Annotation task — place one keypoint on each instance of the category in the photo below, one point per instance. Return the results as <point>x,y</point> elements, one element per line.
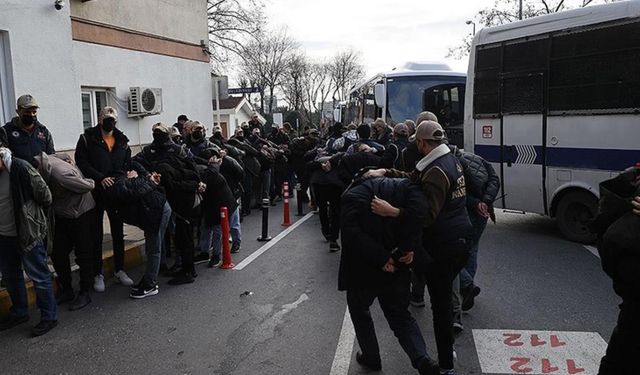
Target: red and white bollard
<point>285,193</point>
<point>227,262</point>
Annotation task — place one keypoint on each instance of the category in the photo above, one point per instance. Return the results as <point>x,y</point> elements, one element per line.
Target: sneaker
<point>416,301</point>
<point>428,367</point>
<point>43,327</point>
<point>201,258</point>
<point>122,278</point>
<point>215,261</point>
<point>12,321</point>
<point>81,300</point>
<point>67,295</point>
<point>369,365</point>
<point>333,247</point>
<point>468,297</point>
<point>173,271</point>
<point>98,283</point>
<point>235,248</point>
<point>144,289</point>
<point>182,278</point>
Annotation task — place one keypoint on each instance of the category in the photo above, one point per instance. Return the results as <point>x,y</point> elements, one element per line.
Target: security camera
<point>59,4</point>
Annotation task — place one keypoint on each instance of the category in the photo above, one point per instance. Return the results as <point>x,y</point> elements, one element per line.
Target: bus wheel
<point>575,211</point>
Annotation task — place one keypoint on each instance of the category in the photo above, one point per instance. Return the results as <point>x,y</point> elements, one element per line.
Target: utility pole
<point>520,12</point>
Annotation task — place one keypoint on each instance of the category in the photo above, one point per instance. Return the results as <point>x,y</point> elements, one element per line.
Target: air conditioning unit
<point>144,101</point>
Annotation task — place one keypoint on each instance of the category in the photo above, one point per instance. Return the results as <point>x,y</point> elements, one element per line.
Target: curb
<point>133,257</point>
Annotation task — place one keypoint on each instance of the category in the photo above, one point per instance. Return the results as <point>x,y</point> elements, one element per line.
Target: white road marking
<point>342,359</point>
<point>593,250</point>
<point>503,351</point>
<point>246,261</point>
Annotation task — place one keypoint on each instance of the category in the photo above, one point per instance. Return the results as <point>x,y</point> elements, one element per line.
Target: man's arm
<point>50,148</point>
<point>39,188</point>
<point>435,186</point>
<point>82,160</point>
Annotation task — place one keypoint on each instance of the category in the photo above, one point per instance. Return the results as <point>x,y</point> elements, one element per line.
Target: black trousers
<point>184,242</point>
<point>117,236</point>
<point>327,198</point>
<point>394,301</point>
<point>76,235</point>
<point>624,348</point>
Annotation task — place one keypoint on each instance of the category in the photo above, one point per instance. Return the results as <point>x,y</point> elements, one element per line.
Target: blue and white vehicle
<point>404,92</point>
<point>554,103</point>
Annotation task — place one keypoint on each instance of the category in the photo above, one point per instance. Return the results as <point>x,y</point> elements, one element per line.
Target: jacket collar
<point>432,156</point>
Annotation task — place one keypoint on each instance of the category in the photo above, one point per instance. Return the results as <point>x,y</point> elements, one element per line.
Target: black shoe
<point>235,248</point>
<point>369,365</point>
<point>468,297</point>
<point>43,327</point>
<point>416,301</point>
<point>183,278</point>
<point>333,247</point>
<point>428,367</point>
<point>145,289</point>
<point>173,271</point>
<point>81,300</point>
<point>215,261</point>
<point>326,235</point>
<point>12,321</point>
<point>201,258</point>
<point>67,295</point>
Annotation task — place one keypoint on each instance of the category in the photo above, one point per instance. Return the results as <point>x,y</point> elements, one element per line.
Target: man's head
<point>287,127</point>
<point>217,131</point>
<point>5,159</point>
<point>364,131</point>
<point>400,131</point>
<point>254,117</point>
<point>108,119</point>
<point>239,132</point>
<point>379,126</point>
<point>429,135</point>
<point>27,110</point>
<point>175,135</point>
<point>197,131</point>
<point>186,129</point>
<point>182,119</point>
<point>426,116</point>
<point>411,126</point>
<point>161,133</point>
<point>314,133</point>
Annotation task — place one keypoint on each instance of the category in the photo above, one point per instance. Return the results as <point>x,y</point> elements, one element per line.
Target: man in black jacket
<point>251,166</point>
<point>102,153</point>
<point>374,264</point>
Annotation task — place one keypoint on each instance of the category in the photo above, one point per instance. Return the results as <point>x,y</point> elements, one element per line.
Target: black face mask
<point>217,135</point>
<point>160,137</point>
<point>197,135</point>
<point>108,124</point>
<point>28,120</point>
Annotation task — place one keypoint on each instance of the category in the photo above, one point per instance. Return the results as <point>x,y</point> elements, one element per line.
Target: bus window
<point>447,103</point>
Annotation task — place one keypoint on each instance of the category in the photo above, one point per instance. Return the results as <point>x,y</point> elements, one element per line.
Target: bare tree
<point>319,85</point>
<point>293,85</point>
<point>345,70</point>
<point>506,11</point>
<point>231,24</point>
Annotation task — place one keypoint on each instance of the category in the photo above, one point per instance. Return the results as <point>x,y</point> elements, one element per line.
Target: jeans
<point>327,198</point>
<point>153,245</point>
<point>76,235</point>
<point>35,265</point>
<point>211,235</point>
<point>468,273</point>
<point>265,177</point>
<point>117,235</point>
<point>394,301</point>
<point>623,345</point>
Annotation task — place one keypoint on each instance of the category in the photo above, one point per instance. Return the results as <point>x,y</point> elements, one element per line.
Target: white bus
<point>554,103</point>
<point>404,92</point>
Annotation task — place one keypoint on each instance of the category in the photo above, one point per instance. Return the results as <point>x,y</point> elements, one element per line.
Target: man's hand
<point>636,205</point>
<point>381,207</point>
<point>107,182</point>
<point>375,173</point>
<point>155,178</point>
<point>483,210</point>
<point>326,166</point>
<point>222,153</point>
<point>132,174</point>
<point>407,258</point>
<point>202,187</point>
<point>215,161</point>
<point>389,267</point>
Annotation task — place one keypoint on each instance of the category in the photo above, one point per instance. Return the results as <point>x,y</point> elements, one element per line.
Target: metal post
<point>265,221</point>
<point>520,12</point>
<point>299,199</point>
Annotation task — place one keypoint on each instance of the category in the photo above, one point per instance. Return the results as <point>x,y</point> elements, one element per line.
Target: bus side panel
<point>487,135</point>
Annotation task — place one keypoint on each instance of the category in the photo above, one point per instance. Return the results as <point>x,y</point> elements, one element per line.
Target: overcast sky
<point>388,33</point>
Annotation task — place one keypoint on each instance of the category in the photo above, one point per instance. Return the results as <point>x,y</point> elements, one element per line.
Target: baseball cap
<point>430,130</point>
<point>161,127</point>
<point>109,112</point>
<point>401,129</point>
<point>27,101</point>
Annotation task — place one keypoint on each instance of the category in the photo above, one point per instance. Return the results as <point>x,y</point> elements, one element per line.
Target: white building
<point>233,112</point>
<point>88,54</point>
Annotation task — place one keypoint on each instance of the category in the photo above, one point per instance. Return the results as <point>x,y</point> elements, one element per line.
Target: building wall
<point>40,63</point>
<point>183,20</point>
<point>185,84</point>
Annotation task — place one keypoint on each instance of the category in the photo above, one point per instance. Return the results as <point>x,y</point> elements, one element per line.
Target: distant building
<point>88,54</point>
<point>233,112</point>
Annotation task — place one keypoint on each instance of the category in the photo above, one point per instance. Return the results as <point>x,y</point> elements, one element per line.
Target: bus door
<point>522,143</point>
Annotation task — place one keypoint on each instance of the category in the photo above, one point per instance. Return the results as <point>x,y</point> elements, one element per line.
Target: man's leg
<point>184,239</point>
<point>322,202</point>
<point>153,243</point>
<point>417,288</point>
<point>63,239</point>
<point>236,230</point>
<point>334,212</point>
<point>359,301</point>
<point>13,276</point>
<point>35,266</point>
<point>117,234</point>
<point>98,237</point>
<point>456,301</point>
<point>623,344</point>
<point>83,246</point>
<point>468,273</point>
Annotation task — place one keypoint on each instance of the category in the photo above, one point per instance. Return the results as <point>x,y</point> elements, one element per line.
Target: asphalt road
<point>283,314</point>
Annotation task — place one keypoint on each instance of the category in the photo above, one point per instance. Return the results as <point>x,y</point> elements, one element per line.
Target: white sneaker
<point>98,283</point>
<point>122,278</point>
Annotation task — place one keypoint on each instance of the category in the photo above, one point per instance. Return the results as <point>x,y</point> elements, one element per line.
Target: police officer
<point>25,136</point>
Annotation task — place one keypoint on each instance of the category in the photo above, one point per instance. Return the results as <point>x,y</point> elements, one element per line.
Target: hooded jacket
<point>70,190</point>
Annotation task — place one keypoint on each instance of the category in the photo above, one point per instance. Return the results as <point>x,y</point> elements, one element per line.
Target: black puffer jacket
<point>218,195</point>
<point>482,181</point>
<point>138,201</point>
<point>368,239</point>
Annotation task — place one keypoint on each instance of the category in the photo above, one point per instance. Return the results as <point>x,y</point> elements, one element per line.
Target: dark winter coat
<point>25,145</point>
<point>218,195</point>
<point>410,156</point>
<point>137,201</point>
<point>482,181</point>
<point>392,157</point>
<point>368,239</point>
<point>250,161</point>
<point>350,165</point>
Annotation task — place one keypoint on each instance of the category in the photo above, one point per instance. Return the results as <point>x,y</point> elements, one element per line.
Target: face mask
<point>108,124</point>
<point>217,135</point>
<point>197,135</point>
<point>160,137</point>
<point>177,140</point>
<point>28,120</point>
